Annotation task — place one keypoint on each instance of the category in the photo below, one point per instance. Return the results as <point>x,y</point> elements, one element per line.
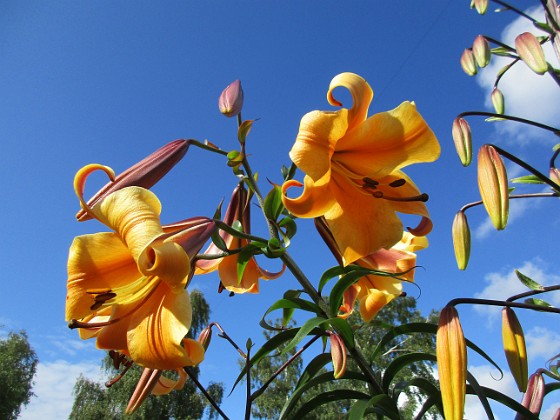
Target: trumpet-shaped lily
<point>352,170</point>
<point>238,210</point>
<point>126,288</point>
<point>375,291</point>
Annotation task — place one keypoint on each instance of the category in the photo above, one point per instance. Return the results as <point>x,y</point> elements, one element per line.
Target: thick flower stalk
<point>515,349</point>
<point>451,351</point>
<point>375,291</point>
<point>127,287</point>
<point>352,170</point>
<point>238,210</point>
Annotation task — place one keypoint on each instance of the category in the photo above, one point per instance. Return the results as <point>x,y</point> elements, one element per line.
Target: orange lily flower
<point>238,209</point>
<point>374,291</point>
<point>352,170</point>
<point>127,288</point>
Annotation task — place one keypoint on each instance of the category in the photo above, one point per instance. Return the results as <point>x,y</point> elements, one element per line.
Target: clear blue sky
<point>109,82</point>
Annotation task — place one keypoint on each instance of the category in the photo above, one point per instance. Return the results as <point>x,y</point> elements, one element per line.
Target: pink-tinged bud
<point>498,101</point>
<point>462,137</point>
<point>231,99</point>
<point>481,51</point>
<point>530,51</point>
<point>533,398</point>
<point>514,347</point>
<point>338,354</point>
<point>205,337</point>
<point>468,62</point>
<point>555,175</point>
<point>480,5</point>
<point>451,352</point>
<point>143,174</point>
<point>493,185</point>
<point>461,240</point>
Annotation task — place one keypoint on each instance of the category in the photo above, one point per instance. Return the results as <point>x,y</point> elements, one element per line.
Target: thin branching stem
<point>192,375</point>
<point>249,400</point>
<point>514,9</point>
<point>491,302</point>
<point>511,118</point>
<point>511,197</point>
<point>545,289</point>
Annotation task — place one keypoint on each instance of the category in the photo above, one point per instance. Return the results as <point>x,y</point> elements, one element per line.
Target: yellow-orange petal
<point>373,302</point>
<point>156,330</point>
<point>97,262</point>
<point>133,213</point>
<point>319,131</point>
<point>165,385</point>
<point>360,223</point>
<point>387,141</point>
<point>314,201</point>
<point>228,276</point>
<point>167,261</point>
<point>361,92</point>
<point>514,348</point>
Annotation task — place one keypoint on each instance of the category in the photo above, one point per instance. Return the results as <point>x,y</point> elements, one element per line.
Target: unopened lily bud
<point>231,99</point>
<point>530,51</point>
<point>143,174</point>
<point>481,51</point>
<point>338,354</point>
<point>461,240</point>
<point>514,347</point>
<point>480,5</point>
<point>533,398</point>
<point>462,137</point>
<point>468,62</point>
<point>555,175</point>
<point>205,337</point>
<point>451,354</point>
<point>493,185</point>
<point>498,101</point>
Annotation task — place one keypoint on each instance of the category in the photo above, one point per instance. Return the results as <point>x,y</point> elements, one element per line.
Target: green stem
<point>519,12</point>
<point>536,195</point>
<point>213,149</point>
<point>316,297</point>
<point>192,375</point>
<point>492,302</point>
<point>533,293</point>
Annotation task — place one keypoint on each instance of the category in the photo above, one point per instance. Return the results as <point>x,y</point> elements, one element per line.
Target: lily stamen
<point>379,194</point>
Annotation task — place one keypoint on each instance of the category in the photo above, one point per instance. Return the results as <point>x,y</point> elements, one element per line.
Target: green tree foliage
<point>18,363</point>
<point>400,311</point>
<point>93,401</point>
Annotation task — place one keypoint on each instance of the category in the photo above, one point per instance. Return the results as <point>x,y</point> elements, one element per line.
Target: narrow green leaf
<point>337,292</point>
<point>328,275</point>
<point>327,397</point>
<point>343,328</point>
<point>287,313</point>
<point>402,361</point>
<point>538,302</point>
<point>291,303</point>
<point>305,329</point>
<point>312,368</point>
<point>528,282</point>
<point>528,179</point>
<point>243,130</point>
<point>479,391</point>
<point>218,241</point>
<point>380,404</point>
<point>325,377</point>
<point>243,259</point>
<point>288,227</point>
<point>273,205</point>
<point>505,400</point>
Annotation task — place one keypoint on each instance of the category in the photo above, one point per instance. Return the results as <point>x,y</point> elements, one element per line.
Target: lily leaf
<point>505,400</point>
<point>327,397</point>
<point>305,329</point>
<point>288,227</point>
<point>273,206</point>
<point>479,391</point>
<point>243,130</point>
<point>538,302</point>
<point>287,313</point>
<point>528,179</point>
<point>313,368</point>
<point>381,404</point>
<point>290,303</point>
<point>243,259</point>
<point>401,362</point>
<point>528,282</point>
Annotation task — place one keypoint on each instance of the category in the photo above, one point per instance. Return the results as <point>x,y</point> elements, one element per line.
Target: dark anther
<point>398,183</point>
<point>370,182</point>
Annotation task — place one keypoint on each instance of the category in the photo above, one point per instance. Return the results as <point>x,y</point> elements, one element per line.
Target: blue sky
<point>109,82</point>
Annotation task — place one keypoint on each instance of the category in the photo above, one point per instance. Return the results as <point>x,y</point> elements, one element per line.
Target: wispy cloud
<point>527,94</point>
<point>54,382</point>
<point>517,208</point>
<point>501,285</point>
<point>542,342</point>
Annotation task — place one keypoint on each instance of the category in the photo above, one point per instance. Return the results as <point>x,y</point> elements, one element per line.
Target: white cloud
<point>517,209</point>
<point>527,94</point>
<point>503,285</point>
<point>542,342</point>
<point>548,414</point>
<point>54,382</point>
<point>486,376</point>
